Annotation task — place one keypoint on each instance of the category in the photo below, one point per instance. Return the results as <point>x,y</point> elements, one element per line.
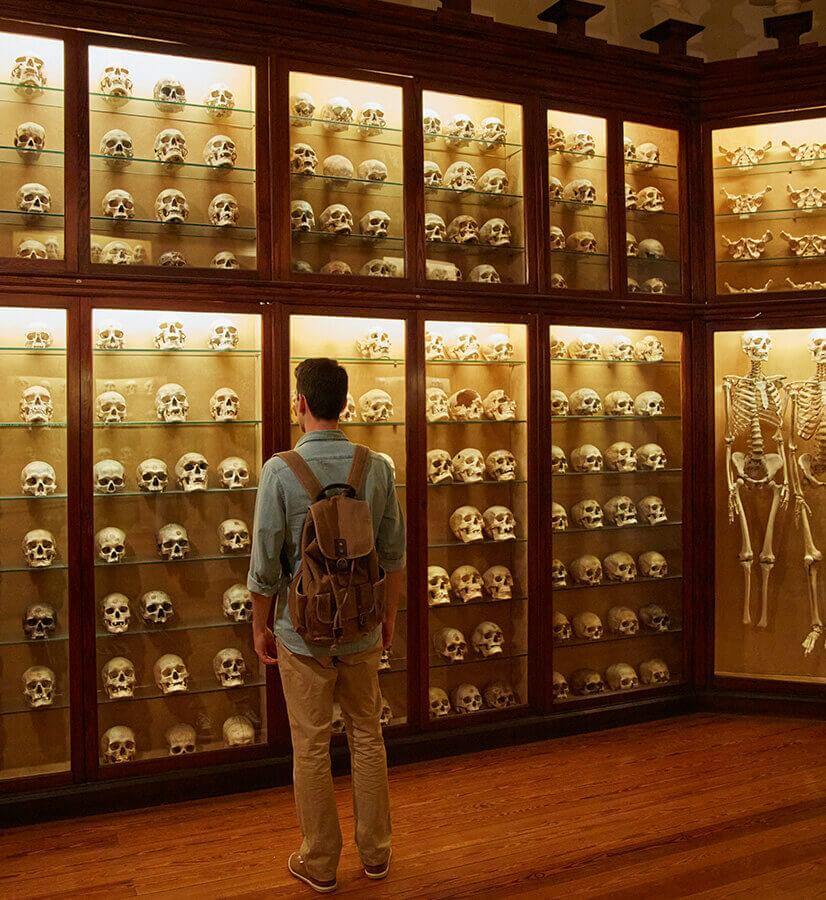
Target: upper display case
<point>171,161</point>
<point>579,240</point>
<point>177,452</point>
<point>373,351</point>
<point>34,535</point>
<point>473,182</point>
<point>31,148</point>
<point>770,212</point>
<point>652,209</point>
<point>616,516</point>
<point>477,516</point>
<point>346,177</point>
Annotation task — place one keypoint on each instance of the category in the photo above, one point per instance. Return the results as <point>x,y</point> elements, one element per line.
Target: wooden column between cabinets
<point>672,36</point>
<point>788,30</point>
<point>571,18</point>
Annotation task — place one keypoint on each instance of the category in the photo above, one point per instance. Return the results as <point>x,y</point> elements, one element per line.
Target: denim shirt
<point>281,508</point>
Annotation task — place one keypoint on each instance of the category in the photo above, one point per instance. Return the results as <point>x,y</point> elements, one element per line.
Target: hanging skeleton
<point>808,471</point>
<point>752,401</point>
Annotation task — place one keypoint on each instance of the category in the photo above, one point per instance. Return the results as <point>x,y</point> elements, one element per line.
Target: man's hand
<point>265,646</point>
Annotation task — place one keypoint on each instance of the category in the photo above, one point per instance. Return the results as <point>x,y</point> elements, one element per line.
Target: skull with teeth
<point>559,462</point>
<point>467,699</point>
<point>460,176</point>
<point>118,205</point>
<point>233,536</point>
<point>649,403</point>
<point>620,511</point>
<point>654,671</point>
<point>466,583</point>
<point>556,138</point>
<point>118,676</point>
<point>500,523</point>
<point>434,227</point>
<point>649,349</point>
<point>39,621</point>
<point>223,210</point>
<point>372,118</point>
<point>438,586</point>
<point>463,229</point>
<point>632,247</point>
<point>587,682</point>
<point>492,132</point>
<point>182,739</point>
<point>559,347</point>
<point>372,170</point>
<point>450,643</point>
<point>169,94</point>
<point>233,473</point>
<point>110,476</point>
<point>466,346</point>
<point>238,731</point>
<point>655,618</point>
<point>169,335</point>
<point>485,274</point>
<point>337,219</point>
<point>561,688</point>
<point>229,667</point>
<point>33,198</point>
<point>619,403</point>
<point>171,674</point>
<point>500,695</point>
<point>587,570</point>
<point>581,242</point>
<point>173,542</point>
<point>653,564</point>
<point>302,217</point>
<point>493,181</point>
<point>621,677</point>
<point>498,582</point>
<point>375,223</point>
<point>559,574</point>
<point>29,139</point>
<point>439,703</point>
<point>468,465</point>
<point>220,152</point>
<point>439,467</point>
<point>647,156</point>
<point>39,686</point>
<point>224,405</point>
<point>30,249</point>
<point>110,407</point>
<point>651,199</point>
<point>223,335</point>
<point>588,626</point>
<point>581,143</point>
<point>652,510</point>
<point>337,114</point>
<point>303,159</point>
<point>433,177</point>
<point>236,603</point>
<point>587,514</point>
<point>465,405</point>
<point>118,148</point>
<point>654,285</point>
<point>170,146</point>
<point>378,268</point>
<point>554,190</point>
<point>459,131</point>
<point>171,207</point>
<point>560,405</point>
<point>38,479</point>
<point>619,566</point>
<point>118,745</point>
<point>498,348</point>
<point>436,404</point>
<point>562,629</point>
<point>302,107</point>
<point>171,403</point>
<point>116,613</point>
<point>152,475</point>
<point>556,241</point>
<point>488,639</point>
<point>111,544</point>
<point>28,75</point>
<point>620,457</point>
<point>501,465</point>
<point>499,406</point>
<point>629,150</point>
<point>585,346</point>
<point>586,458</point>
<point>431,124</point>
<point>172,259</point>
<point>619,349</point>
<point>559,517</point>
<point>434,344</point>
<point>651,457</point>
<point>630,197</point>
<point>495,233</point>
<point>622,620</point>
<point>156,608</point>
<point>585,402</point>
<point>376,406</point>
<point>374,344</point>
<point>219,101</point>
<point>580,190</point>
<point>466,524</point>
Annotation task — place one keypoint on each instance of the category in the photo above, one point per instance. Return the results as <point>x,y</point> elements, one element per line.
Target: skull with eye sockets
<point>500,695</point>
<point>439,467</point>
<point>169,94</point>
<point>493,181</point>
<point>654,671</point>
<point>302,217</point>
<point>467,699</point>
<point>559,517</point>
<point>171,674</point>
<point>623,620</point>
<point>499,407</point>
<point>463,229</point>
<point>499,523</point>
<point>581,242</point>
<point>554,189</point>
<point>223,210</point>
<point>619,566</point>
<point>337,219</point>
<point>651,457</point>
<point>561,689</point>
<point>558,282</point>
<point>468,465</point>
<point>619,403</point>
<point>229,667</point>
<point>236,603</point>
<point>436,405</point>
<point>39,621</point>
<point>559,574</point>
<point>111,544</point>
<point>372,170</point>
<point>559,461</point>
<point>620,349</point>
<point>433,177</point>
<point>588,626</point>
<point>439,703</point>
<point>110,407</point>
<point>29,140</point>
<point>460,176</point>
<point>171,207</point>
<point>220,152</point>
<point>303,159</point>
<point>621,512</point>
<point>559,347</point>
<point>39,686</point>
<point>450,643</point>
<point>118,745</point>
<point>31,249</point>
<point>376,406</point>
<point>375,223</point>
<point>649,349</point>
<point>169,335</point>
<point>653,564</point>
<point>498,582</point>
<point>173,542</point>
<point>224,405</point>
<point>466,523</point>
<point>171,403</point>
<point>116,613</point>
<point>562,629</point>
<point>172,259</point>
<point>38,479</point>
<point>560,405</point>
<point>219,101</point>
<point>117,147</point>
<point>34,199</point>
<point>495,233</point>
<point>233,536</point>
<point>152,475</point>
<point>109,476</point>
<point>587,682</point>
<point>655,618</point>
<point>156,608</point>
<point>587,458</point>
<point>501,465</point>
<point>170,147</point>
<point>438,586</point>
<point>378,268</point>
<point>233,473</point>
<point>118,676</point>
<point>585,402</point>
<point>620,457</point>
<point>225,259</point>
<point>182,739</point>
<point>302,108</point>
<point>434,228</point>
<point>649,403</point>
<point>587,514</point>
<point>556,238</point>
<point>652,510</point>
<point>621,677</point>
<point>337,114</point>
<point>587,570</point>
<point>465,406</point>
<point>466,583</point>
<point>488,639</point>
<point>585,346</point>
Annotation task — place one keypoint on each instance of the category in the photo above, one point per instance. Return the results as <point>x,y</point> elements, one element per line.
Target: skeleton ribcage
<point>754,401</point>
<point>811,408</point>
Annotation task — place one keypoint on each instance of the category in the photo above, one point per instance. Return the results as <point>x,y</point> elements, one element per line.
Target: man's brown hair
<point>323,383</point>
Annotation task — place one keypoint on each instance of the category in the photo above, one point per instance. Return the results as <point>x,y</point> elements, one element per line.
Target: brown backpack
<point>337,594</point>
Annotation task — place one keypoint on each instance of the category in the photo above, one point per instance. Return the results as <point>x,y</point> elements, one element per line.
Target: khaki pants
<point>310,687</point>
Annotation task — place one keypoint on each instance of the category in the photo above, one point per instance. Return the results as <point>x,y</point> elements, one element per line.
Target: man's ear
<point>302,405</point>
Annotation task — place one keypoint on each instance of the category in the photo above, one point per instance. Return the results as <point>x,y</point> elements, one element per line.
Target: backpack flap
<point>343,528</point>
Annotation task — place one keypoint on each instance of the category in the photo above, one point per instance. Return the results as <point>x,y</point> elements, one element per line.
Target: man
<point>312,676</point>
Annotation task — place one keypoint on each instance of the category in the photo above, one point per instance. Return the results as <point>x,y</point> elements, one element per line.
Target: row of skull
<point>487,640</point>
<point>171,207</point>
<point>172,541</point>
<point>156,608</point>
<point>468,585</point>
<point>169,147</point>
<point>337,114</point>
<point>587,402</point>
<point>115,86</point>
<point>337,219</point>
<point>622,622</point>
<point>466,347</point>
<point>575,242</point>
<point>802,198</point>
<point>619,512</point>
<point>745,156</point>
<point>118,744</point>
<point>755,247</point>
<point>460,129</point>
<point>152,474</point>
<point>470,466</point>
<point>579,191</point>
<point>469,525</point>
<point>647,248</point>
<point>460,176</point>
<point>442,270</point>
<point>171,405</point>
<point>577,143</point>
<point>171,673</point>
<point>304,161</point>
<point>467,405</point>
<point>588,571</point>
<point>464,229</point>
<point>618,677</point>
<point>467,698</point>
<point>588,458</point>
<point>170,334</point>
<point>647,199</point>
<point>373,268</point>
<point>120,253</point>
<point>618,348</point>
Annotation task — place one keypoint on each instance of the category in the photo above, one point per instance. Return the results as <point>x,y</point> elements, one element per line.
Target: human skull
<point>559,574</point>
<point>116,85</point>
<point>434,227</point>
<point>559,462</point>
<point>587,682</point>
<point>560,405</point>
<point>111,544</point>
<point>556,138</point>
<point>633,286</point>
<point>229,667</point>
<point>459,131</point>
<point>655,618</point>
<point>223,210</point>
<point>337,219</point>
<point>632,247</point>
<point>372,118</point>
<point>386,715</point>
<point>654,286</point>
<point>372,170</point>
<point>302,217</point>
<point>653,564</point>
<point>223,335</point>
<point>118,148</point>
<point>622,620</point>
<point>559,517</point>
<point>466,524</point>
<point>303,159</point>
<point>118,205</point>
<point>654,671</point>
<point>29,139</point>
<point>554,192</point>
<point>651,199</point>
<point>302,107</point>
<point>581,191</point>
<point>493,181</point>
<point>36,405</point>
<point>463,230</point>
<point>432,175</point>
<point>499,407</point>
<point>169,94</point>
<point>745,157</point>
<point>587,514</point>
<point>621,677</point>
<point>30,249</point>
<point>651,457</point>
<point>172,542</point>
<point>649,403</point>
<point>586,570</point>
<point>556,240</point>
<point>488,639</point>
<point>619,566</point>
<point>338,166</point>
<point>620,511</point>
<point>219,101</point>
<point>581,143</point>
<point>28,75</point>
<point>171,403</point>
<point>649,349</point>
<point>431,124</point>
<point>233,536</point>
<point>171,207</point>
<point>434,345</point>
<point>110,476</point>
<point>498,582</point>
<point>117,253</point>
<point>237,603</point>
<point>233,473</point>
<point>182,739</point>
<point>559,347</point>
<point>224,405</point>
<point>562,629</point>
<point>468,466</point>
<point>38,479</point>
<point>586,458</point>
<point>491,132</point>
<point>620,457</point>
<point>34,199</point>
<point>118,745</point>
<point>500,523</point>
<point>630,197</point>
<point>375,223</point>
<point>561,688</point>
<point>220,152</point>
<point>465,405</point>
<point>436,405</point>
<point>585,402</point>
<point>376,406</point>
<point>171,674</point>
<point>585,346</point>
<point>39,686</point>
<point>467,699</point>
<point>501,465</point>
<point>39,621</point>
<point>620,349</point>
<point>588,625</point>
<point>191,471</point>
<point>152,475</point>
<point>439,703</point>
<point>650,248</point>
<point>451,644</point>
<point>118,677</point>
<point>629,150</point>
<point>225,259</point>
<point>110,407</point>
<point>460,176</point>
<point>116,613</point>
<point>170,146</point>
<point>466,346</point>
<point>378,268</point>
<point>337,114</point>
<point>438,586</point>
<point>156,608</point>
<point>652,509</point>
<point>238,731</point>
<point>172,259</point>
<point>647,156</point>
<point>619,403</point>
<point>439,467</point>
<point>466,583</point>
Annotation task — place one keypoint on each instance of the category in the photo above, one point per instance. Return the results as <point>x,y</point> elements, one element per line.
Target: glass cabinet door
<point>578,197</point>
<point>616,458</point>
<point>652,208</point>
<point>34,597</point>
<point>373,353</point>
<point>473,175</point>
<point>177,452</point>
<point>346,177</point>
<point>31,148</point>
<point>172,161</point>
<point>477,508</point>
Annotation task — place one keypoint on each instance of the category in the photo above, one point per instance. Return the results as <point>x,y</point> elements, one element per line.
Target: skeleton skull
<point>580,143</point>
<point>172,259</point>
<point>652,509</point>
<point>562,629</point>
<point>632,286</point>
<point>171,674</point>
<point>110,407</point>
<point>459,131</point>
<point>493,181</point>
<point>466,346</point>
<point>559,347</point>
<point>585,346</point>
<point>372,118</point>
<point>587,514</point>
<point>495,233</point>
<point>337,219</point>
<point>156,608</point>
<point>171,403</point>
<point>647,156</point>
<point>619,566</point>
<point>335,267</point>
<point>152,475</point>
<point>338,166</point>
<point>169,94</point>
<point>118,205</point>
<point>622,620</point>
<point>559,574</point>
<point>467,699</point>
<point>225,259</point>
<point>118,745</point>
<point>554,191</point>
<point>629,151</point>
<point>501,465</point>
<point>219,101</point>
<point>118,677</point>
<point>117,253</point>
<point>654,671</point>
<point>171,207</point>
<point>431,125</point>
<point>170,147</point>
<point>224,405</point>
<point>233,473</point>
<point>172,542</point>
<point>500,524</point>
<point>337,114</point>
<point>39,686</point>
<point>438,586</point>
<point>460,176</point>
<point>655,618</point>
<point>585,402</point>
<point>488,639</point>
<point>498,582</point>
<point>111,544</point>
<point>434,228</point>
<point>31,249</point>
<point>110,476</point>
<point>588,626</point>
<point>220,152</point>
<point>492,132</point>
<point>375,223</point>
<point>463,230</point>
<point>586,458</point>
<point>559,462</point>
<point>34,199</point>
<point>376,406</point>
<point>649,349</point>
<point>556,138</point>
<point>238,731</point>
<point>303,159</point>
<point>468,465</point>
<point>439,467</point>
<point>653,564</point>
<point>651,457</point>
<point>756,345</point>
<point>237,603</point>
<point>451,644</point>
<point>586,570</point>
<point>433,175</point>
<point>372,170</point>
<point>630,197</point>
<point>587,682</point>
<point>39,621</point>
<point>302,107</point>
<point>466,524</point>
<point>500,695</point>
<point>233,536</point>
<point>302,217</point>
<point>560,405</point>
<point>38,479</point>
<point>116,613</point>
<point>620,511</point>
<point>581,242</point>
<point>466,583</point>
<point>650,248</point>
<point>619,403</point>
<point>580,191</point>
<point>621,677</point>
<point>559,517</point>
<point>436,405</point>
<point>191,471</point>
<point>649,403</point>
<point>620,349</point>
<point>229,667</point>
<point>378,268</point>
<point>465,405</point>
<point>29,140</point>
<point>561,688</point>
<point>223,210</point>
<point>499,407</point>
<point>118,148</point>
<point>182,739</point>
<point>28,75</point>
<point>434,344</point>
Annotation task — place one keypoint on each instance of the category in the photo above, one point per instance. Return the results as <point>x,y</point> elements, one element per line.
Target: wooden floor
<point>708,805</point>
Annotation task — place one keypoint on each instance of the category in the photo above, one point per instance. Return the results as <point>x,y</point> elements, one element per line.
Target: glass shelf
<point>613,584</point>
<point>183,112</point>
<point>154,495</point>
<point>669,524</point>
<point>431,139</point>
<point>24,642</point>
<point>151,692</point>
<point>645,263</point>
<point>478,422</point>
<point>54,567</point>
<point>195,423</point>
<point>655,167</point>
<point>48,158</point>
<point>645,472</point>
<point>156,561</point>
<point>11,498</point>
<point>575,156</point>
<point>485,543</point>
<point>394,361</point>
<point>596,210</point>
<point>613,362</point>
<point>359,186</point>
<point>446,484</point>
<point>122,227</point>
<point>616,418</point>
<point>642,215</point>
<point>485,601</point>
<point>143,631</point>
<point>590,259</point>
<point>479,660</point>
<point>446,247</point>
<point>573,699</point>
<point>787,166</point>
<point>312,127</point>
<point>28,221</point>
<point>614,638</point>
<point>155,168</point>
<point>475,362</point>
<point>347,240</point>
<point>35,350</point>
<point>46,96</point>
<point>32,425</point>
<point>793,214</point>
<point>471,198</point>
<point>154,351</point>
<point>25,708</point>
<point>776,260</point>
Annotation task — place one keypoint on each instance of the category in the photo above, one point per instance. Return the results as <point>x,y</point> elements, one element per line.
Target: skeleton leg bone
<point>746,555</point>
<point>812,556</point>
<point>767,557</point>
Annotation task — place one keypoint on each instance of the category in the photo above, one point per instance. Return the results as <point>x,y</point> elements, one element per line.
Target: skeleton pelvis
<point>813,469</point>
<point>757,471</point>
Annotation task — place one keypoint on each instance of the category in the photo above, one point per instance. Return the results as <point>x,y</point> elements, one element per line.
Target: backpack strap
<point>299,467</point>
<point>358,471</point>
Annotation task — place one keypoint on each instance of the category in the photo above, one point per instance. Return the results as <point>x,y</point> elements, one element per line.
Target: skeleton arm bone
<point>781,446</point>
<point>729,444</point>
<point>794,468</point>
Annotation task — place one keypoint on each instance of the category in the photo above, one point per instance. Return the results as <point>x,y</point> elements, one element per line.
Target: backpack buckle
<point>342,566</point>
<point>340,545</point>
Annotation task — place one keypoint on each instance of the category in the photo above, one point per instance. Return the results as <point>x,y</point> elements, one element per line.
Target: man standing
<point>315,676</point>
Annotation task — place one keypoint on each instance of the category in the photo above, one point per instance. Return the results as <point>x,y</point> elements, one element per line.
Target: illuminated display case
<point>177,451</point>
<point>31,149</point>
<point>172,166</point>
<point>477,517</point>
<point>616,517</point>
<point>346,174</point>
<point>652,209</point>
<point>373,350</point>
<point>34,559</point>
<point>770,218</point>
<point>579,239</point>
<point>473,181</point>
